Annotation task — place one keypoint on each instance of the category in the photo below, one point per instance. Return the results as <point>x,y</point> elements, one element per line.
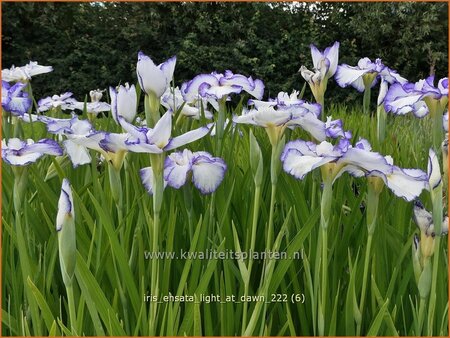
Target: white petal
<point>366,160</point>
<point>406,183</point>
<point>160,135</point>
<point>207,172</point>
<point>78,154</point>
<point>147,179</point>
<point>299,165</point>
<point>151,78</point>
<point>188,137</point>
<point>346,75</point>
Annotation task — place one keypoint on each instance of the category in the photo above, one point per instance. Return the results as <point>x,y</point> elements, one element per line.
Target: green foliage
<point>95,45</point>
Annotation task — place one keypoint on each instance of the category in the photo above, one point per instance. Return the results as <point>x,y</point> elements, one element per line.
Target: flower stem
<point>381,124</point>
<point>364,284</point>
<point>252,248</point>
<point>374,188</point>
<point>421,316</point>
<point>220,125</point>
<point>436,197</point>
<point>157,162</point>
<point>324,222</point>
<point>72,312</point>
<point>366,100</point>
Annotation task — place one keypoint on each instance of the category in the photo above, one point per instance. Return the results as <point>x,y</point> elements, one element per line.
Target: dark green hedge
<point>95,45</point>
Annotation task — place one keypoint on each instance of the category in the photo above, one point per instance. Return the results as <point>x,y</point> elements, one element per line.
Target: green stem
<point>421,317</point>
<point>157,161</point>
<point>220,125</point>
<point>381,124</point>
<point>271,215</point>
<point>438,132</point>
<point>364,284</point>
<point>324,222</point>
<point>366,100</point>
<point>252,248</point>
<point>26,273</point>
<point>436,197</point>
<point>72,312</point>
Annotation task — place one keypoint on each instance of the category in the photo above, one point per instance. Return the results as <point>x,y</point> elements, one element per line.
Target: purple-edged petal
<point>258,91</point>
<point>44,146</point>
<point>168,68</point>
<point>407,183</point>
<point>347,75</point>
<point>188,137</point>
<point>19,152</point>
<point>366,160</point>
<point>299,165</point>
<point>146,175</point>
<point>311,124</point>
<point>190,90</point>
<point>332,54</point>
<point>176,168</point>
<point>151,78</point>
<point>123,102</point>
<point>207,171</point>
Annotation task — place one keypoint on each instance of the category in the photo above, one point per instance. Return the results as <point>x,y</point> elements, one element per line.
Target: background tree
<point>94,45</point>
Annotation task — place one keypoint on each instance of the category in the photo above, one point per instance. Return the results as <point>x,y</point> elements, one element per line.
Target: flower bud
<point>416,258</point>
<point>123,102</point>
<point>65,226</point>
<point>96,95</point>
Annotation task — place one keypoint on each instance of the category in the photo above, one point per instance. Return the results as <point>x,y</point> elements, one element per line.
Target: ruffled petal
<point>176,168</point>
<point>207,172</point>
<point>407,183</point>
<point>347,75</point>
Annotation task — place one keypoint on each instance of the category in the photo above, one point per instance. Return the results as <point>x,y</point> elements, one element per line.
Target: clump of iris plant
<point>301,157</point>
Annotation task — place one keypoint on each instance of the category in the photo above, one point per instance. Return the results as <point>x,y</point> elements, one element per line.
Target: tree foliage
<point>94,45</point>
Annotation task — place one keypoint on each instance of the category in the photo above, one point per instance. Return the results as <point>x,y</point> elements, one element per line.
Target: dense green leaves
<point>95,45</point>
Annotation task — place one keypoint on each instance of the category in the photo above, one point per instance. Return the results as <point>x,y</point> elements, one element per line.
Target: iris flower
<point>365,74</point>
<point>14,100</point>
<point>173,100</point>
<point>148,140</point>
<point>80,135</point>
<point>325,64</point>
<point>123,102</point>
<point>277,120</point>
<point>24,73</point>
<point>404,98</point>
<point>65,101</point>
<point>218,86</point>
<point>96,95</point>
<point>301,157</point>
<point>154,79</point>
<point>23,152</point>
<point>205,171</point>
